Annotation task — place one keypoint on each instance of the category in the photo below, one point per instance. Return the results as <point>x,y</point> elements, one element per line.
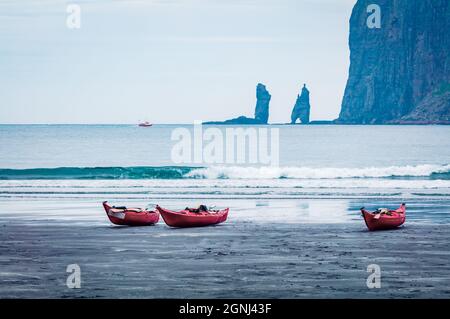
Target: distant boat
<point>145,124</point>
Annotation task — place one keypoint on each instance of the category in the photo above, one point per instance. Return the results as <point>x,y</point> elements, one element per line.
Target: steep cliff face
<point>400,72</point>
<point>262,103</point>
<point>302,107</point>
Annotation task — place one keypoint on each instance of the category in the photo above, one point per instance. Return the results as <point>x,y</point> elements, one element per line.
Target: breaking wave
<point>430,171</point>
<point>426,171</point>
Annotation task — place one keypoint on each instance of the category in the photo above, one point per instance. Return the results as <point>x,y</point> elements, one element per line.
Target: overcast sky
<point>170,61</point>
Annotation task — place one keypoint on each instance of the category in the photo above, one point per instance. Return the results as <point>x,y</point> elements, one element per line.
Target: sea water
<point>313,146</point>
<point>375,164</point>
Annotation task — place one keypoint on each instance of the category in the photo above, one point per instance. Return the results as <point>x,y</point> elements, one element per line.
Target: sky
<point>170,61</point>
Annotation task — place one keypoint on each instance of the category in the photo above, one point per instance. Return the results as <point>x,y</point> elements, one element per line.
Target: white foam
<point>234,172</point>
<point>147,186</point>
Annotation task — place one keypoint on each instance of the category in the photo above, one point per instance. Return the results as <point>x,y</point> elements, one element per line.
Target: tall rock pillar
<point>262,104</point>
<point>302,107</point>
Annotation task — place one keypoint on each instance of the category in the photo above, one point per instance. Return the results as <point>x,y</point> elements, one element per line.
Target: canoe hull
<point>131,218</point>
<point>384,222</point>
<point>183,219</point>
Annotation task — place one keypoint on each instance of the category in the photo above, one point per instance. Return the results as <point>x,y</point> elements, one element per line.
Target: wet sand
<point>243,258</point>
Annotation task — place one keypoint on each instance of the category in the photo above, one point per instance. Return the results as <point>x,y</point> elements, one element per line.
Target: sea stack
<point>301,108</point>
<point>261,110</point>
<point>262,104</point>
<point>399,69</point>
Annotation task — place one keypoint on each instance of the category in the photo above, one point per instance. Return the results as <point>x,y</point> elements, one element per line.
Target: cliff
<point>301,108</point>
<point>399,72</point>
<point>261,110</point>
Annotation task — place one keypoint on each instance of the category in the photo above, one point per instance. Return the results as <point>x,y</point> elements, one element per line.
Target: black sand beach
<point>243,258</point>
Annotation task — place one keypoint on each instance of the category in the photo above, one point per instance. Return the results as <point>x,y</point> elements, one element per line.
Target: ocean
<point>355,164</point>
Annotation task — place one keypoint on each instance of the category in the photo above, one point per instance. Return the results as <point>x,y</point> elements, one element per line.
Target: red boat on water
<point>130,216</point>
<point>193,217</point>
<point>145,124</point>
<point>384,219</point>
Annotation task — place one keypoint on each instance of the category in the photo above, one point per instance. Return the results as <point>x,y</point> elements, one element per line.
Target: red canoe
<point>130,216</point>
<point>393,219</point>
<point>187,218</point>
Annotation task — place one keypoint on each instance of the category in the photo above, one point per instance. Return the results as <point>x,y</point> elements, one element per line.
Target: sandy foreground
<point>267,249</point>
